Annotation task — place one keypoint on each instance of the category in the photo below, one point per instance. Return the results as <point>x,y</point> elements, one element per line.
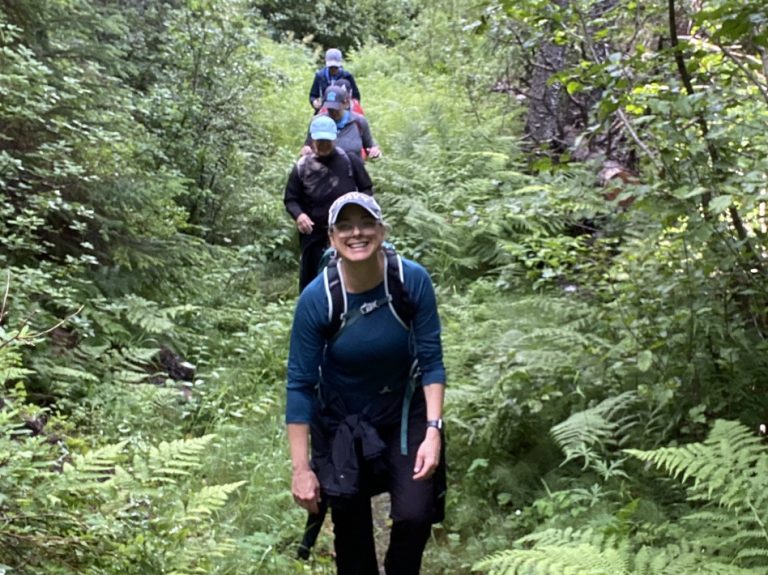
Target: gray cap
<point>363,200</point>
<point>335,96</point>
<point>333,57</point>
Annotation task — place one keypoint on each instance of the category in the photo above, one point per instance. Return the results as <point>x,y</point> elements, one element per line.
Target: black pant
<point>312,247</point>
<point>414,508</point>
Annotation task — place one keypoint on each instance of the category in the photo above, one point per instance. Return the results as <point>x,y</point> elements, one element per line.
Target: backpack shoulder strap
<point>346,159</point>
<point>355,119</point>
<point>356,122</point>
<point>336,296</point>
<point>394,284</point>
<point>300,166</point>
<point>396,295</point>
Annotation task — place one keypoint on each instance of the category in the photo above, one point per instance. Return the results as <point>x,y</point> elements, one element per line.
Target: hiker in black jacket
<point>314,183</point>
<point>329,76</point>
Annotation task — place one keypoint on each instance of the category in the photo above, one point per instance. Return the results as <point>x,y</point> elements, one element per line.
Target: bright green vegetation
<point>605,388</point>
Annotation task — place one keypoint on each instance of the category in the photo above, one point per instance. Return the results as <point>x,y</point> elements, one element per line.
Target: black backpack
<point>301,166</point>
<point>396,295</point>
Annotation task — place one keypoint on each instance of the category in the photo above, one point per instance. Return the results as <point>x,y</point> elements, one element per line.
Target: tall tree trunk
<point>543,124</point>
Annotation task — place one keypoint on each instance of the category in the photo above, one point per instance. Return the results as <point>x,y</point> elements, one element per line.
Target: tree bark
<point>543,123</point>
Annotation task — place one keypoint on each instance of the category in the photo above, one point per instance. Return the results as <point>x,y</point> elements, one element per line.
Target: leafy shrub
<point>723,533</point>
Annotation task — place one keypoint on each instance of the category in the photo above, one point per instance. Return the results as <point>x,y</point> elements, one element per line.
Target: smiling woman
<point>357,233</point>
<point>368,400</point>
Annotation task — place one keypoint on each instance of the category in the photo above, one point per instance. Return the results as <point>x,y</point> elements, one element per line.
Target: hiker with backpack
<point>354,132</point>
<point>354,104</point>
<point>315,181</point>
<point>330,75</point>
<point>368,325</point>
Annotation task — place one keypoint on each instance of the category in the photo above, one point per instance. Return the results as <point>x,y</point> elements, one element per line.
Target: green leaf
<point>644,360</point>
<point>720,203</point>
<point>480,463</point>
<point>573,87</point>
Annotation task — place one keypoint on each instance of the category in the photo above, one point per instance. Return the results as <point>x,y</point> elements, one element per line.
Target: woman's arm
<point>425,324</point>
<point>304,358</point>
<point>428,455</point>
<point>426,328</point>
<point>304,485</point>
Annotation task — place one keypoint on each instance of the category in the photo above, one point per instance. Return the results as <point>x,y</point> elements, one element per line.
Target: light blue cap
<point>323,128</point>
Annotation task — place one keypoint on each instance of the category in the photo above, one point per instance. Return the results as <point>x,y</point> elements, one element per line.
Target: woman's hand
<point>306,489</point>
<point>428,455</point>
<point>374,152</point>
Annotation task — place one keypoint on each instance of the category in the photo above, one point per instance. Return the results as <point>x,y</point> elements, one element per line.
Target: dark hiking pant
<point>415,506</point>
<point>312,247</point>
<point>354,543</point>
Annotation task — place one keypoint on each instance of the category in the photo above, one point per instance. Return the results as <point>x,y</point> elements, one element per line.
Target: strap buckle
<point>368,307</point>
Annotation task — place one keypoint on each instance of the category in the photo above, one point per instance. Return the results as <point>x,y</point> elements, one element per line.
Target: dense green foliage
<point>602,291</point>
<point>726,534</point>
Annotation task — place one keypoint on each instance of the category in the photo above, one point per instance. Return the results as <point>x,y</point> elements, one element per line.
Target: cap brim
<point>335,215</point>
<point>322,135</point>
<point>333,105</point>
<point>330,63</point>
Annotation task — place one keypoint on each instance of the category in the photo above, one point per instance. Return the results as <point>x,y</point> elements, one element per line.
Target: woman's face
<point>357,235</point>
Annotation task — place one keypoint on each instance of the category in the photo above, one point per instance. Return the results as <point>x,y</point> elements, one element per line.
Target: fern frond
<point>73,374</point>
<point>723,465</point>
<point>753,552</point>
<point>682,558</point>
<point>13,373</point>
<point>728,468</point>
<point>580,559</point>
<point>596,426</point>
<point>94,467</point>
<point>170,460</point>
<point>208,500</point>
<point>147,315</point>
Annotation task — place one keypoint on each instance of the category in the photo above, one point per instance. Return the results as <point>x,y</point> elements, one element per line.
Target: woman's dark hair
<point>346,84</point>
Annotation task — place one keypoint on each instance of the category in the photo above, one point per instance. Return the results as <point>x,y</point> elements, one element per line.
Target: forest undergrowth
<point>599,266</point>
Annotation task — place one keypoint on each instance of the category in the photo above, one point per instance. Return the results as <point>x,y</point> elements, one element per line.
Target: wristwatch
<point>436,423</point>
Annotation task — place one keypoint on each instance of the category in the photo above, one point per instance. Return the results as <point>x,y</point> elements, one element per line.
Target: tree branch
<point>685,77</point>
<point>714,153</point>
<point>5,297</point>
<point>740,65</point>
<point>636,138</point>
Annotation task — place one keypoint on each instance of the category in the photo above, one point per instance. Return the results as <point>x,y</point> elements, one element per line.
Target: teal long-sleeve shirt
<point>371,356</point>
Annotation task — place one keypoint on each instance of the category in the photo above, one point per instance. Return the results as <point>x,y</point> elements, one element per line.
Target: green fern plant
<point>588,553</point>
<point>170,460</point>
<point>204,503</point>
<point>729,471</point>
<point>577,560</point>
<point>116,508</point>
<point>724,535</point>
<point>587,434</point>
